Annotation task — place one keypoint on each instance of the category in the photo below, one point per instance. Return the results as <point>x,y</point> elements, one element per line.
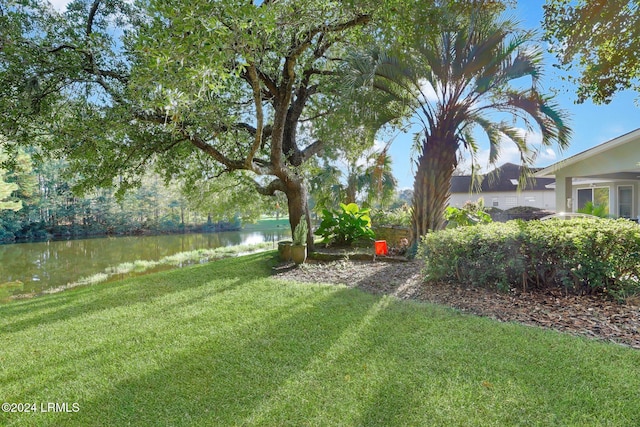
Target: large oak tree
<point>230,87</point>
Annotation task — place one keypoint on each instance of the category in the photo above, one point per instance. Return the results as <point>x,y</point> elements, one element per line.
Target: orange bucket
<point>381,247</point>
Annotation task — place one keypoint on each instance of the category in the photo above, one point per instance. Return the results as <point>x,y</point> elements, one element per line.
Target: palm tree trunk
<point>432,185</point>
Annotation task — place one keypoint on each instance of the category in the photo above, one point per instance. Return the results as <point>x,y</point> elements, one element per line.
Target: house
<point>499,189</point>
<point>607,174</point>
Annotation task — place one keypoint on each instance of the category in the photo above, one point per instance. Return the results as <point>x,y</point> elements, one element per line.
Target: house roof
<point>593,151</point>
<point>503,178</point>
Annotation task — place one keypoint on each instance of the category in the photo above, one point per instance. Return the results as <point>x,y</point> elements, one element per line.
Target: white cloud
<point>547,155</point>
<point>365,159</point>
<point>429,93</point>
<point>60,5</point>
<point>379,145</point>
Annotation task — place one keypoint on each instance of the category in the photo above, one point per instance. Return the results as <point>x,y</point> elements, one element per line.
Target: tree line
<point>40,204</point>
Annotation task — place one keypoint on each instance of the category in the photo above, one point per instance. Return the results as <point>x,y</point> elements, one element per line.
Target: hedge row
<point>578,255</point>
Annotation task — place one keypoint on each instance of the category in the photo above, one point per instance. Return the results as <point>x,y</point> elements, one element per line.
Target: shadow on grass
<point>321,355</point>
<point>220,380</point>
<point>104,296</point>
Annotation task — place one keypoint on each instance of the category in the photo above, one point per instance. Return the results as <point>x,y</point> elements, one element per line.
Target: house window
<point>510,201</point>
<point>596,195</point>
<point>625,201</point>
<point>495,202</point>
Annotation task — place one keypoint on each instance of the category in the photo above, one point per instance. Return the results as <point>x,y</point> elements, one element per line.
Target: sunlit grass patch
<point>226,344</point>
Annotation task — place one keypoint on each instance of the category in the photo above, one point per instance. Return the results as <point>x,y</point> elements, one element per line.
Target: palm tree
<point>377,180</point>
<point>369,177</point>
<point>468,75</point>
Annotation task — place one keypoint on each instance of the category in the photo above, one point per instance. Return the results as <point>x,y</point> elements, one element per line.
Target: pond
<point>27,268</point>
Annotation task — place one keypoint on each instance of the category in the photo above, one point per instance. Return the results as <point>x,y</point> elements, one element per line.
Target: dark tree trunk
<point>297,205</point>
<point>432,186</point>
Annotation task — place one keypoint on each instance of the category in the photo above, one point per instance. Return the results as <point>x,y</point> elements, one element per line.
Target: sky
<point>592,124</point>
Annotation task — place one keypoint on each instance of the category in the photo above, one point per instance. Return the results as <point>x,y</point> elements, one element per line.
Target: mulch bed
<point>589,316</point>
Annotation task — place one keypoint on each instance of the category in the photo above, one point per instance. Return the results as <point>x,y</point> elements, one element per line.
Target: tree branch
<point>195,140</point>
<point>312,150</point>
<point>270,190</point>
<point>213,152</point>
<point>92,16</point>
<point>268,82</point>
<point>358,20</point>
<point>257,97</point>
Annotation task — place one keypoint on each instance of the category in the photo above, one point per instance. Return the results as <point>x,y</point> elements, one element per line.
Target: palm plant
<point>378,180</point>
<point>466,76</point>
<point>371,178</point>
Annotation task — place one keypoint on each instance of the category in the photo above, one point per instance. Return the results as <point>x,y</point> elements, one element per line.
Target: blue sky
<point>592,124</point>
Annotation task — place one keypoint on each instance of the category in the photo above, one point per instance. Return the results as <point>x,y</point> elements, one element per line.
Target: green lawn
<point>268,224</point>
<point>224,344</point>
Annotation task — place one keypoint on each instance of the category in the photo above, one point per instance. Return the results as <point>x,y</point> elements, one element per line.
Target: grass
<point>268,224</point>
<point>225,344</point>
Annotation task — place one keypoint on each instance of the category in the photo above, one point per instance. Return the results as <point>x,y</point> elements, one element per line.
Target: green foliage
<point>367,178</point>
<point>216,87</point>
<point>470,214</point>
<point>495,68</point>
<point>400,216</point>
<point>50,208</point>
<point>300,232</point>
<point>7,188</point>
<point>599,210</point>
<point>598,38</point>
<point>344,226</point>
<point>579,255</point>
<point>231,194</point>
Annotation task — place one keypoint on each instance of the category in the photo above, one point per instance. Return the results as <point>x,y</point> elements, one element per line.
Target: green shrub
<point>470,214</point>
<point>343,226</point>
<point>579,255</point>
<point>396,217</point>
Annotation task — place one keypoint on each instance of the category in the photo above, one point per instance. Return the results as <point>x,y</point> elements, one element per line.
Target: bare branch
<point>317,116</point>
<point>61,47</point>
<point>272,87</point>
<point>213,152</point>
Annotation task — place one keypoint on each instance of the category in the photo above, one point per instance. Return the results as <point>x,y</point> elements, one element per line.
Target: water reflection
<point>39,266</point>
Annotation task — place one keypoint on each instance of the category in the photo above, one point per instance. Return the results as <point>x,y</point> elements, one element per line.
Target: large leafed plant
<point>342,227</point>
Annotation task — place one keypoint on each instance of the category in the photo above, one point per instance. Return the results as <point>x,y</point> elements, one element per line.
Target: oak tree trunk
<point>297,205</point>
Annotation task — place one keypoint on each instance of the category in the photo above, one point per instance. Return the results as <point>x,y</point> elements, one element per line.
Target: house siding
<point>500,189</point>
<point>624,155</point>
<point>505,200</point>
